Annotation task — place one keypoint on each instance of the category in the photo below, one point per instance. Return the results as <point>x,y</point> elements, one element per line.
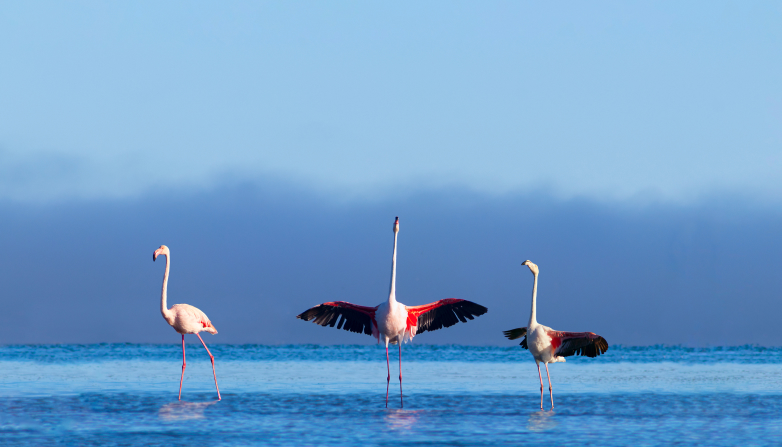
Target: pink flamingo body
<point>185,319</point>
<point>392,320</point>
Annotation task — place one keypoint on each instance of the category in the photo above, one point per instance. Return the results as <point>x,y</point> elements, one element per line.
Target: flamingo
<point>549,346</point>
<point>392,320</point>
<point>185,319</point>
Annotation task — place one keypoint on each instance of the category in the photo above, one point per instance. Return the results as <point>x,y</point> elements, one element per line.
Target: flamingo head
<point>396,225</point>
<point>533,268</point>
<point>163,250</point>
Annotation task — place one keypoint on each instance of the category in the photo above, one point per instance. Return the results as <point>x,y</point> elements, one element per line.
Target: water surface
<point>119,394</point>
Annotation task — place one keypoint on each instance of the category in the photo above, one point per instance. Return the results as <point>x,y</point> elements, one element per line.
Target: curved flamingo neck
<point>392,288</point>
<point>532,320</point>
<point>163,306</point>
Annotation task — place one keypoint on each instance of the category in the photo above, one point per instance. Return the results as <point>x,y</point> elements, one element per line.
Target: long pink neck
<point>163,307</point>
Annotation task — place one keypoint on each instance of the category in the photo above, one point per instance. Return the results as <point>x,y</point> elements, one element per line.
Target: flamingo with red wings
<point>549,346</point>
<point>392,320</point>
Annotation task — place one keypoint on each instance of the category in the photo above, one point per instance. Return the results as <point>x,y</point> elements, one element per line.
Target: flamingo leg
<point>541,385</point>
<point>400,376</point>
<point>550,393</point>
<point>211,357</point>
<point>388,379</point>
<point>183,367</point>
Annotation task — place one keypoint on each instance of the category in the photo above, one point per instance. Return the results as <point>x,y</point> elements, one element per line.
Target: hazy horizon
<point>253,258</point>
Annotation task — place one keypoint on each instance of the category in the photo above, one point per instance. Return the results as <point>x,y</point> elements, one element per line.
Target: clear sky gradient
<point>610,101</point>
<point>632,150</point>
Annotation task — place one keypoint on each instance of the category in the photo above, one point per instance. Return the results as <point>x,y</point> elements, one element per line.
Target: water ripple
<point>413,352</point>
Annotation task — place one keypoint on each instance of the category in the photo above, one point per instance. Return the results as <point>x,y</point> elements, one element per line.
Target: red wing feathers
<point>359,319</point>
<point>577,343</point>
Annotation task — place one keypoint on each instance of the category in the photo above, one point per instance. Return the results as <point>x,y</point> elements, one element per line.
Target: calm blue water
<point>122,394</point>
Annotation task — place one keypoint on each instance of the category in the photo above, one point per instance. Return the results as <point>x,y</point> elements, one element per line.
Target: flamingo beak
<point>154,256</point>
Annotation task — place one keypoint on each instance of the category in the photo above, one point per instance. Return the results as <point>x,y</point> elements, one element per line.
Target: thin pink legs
<point>541,385</point>
<point>400,376</point>
<point>388,380</point>
<point>183,367</point>
<point>551,393</point>
<point>211,357</point>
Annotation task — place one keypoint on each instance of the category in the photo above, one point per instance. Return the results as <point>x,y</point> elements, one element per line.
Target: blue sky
<point>632,150</point>
<point>609,101</point>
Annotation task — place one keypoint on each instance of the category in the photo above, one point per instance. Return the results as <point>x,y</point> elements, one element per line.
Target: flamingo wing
<point>577,343</point>
<point>440,314</point>
<point>513,334</point>
<point>358,319</point>
<point>200,316</point>
<point>191,318</point>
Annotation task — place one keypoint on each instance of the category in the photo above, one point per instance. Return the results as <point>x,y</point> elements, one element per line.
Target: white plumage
<point>392,320</point>
<point>549,346</point>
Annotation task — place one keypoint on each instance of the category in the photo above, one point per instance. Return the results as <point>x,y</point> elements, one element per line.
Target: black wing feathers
<point>327,315</point>
<point>448,314</point>
<point>583,346</point>
<point>513,334</point>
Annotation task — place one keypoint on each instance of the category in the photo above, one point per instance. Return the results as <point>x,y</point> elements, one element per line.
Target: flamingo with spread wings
<point>392,320</point>
<point>185,319</point>
<point>549,346</point>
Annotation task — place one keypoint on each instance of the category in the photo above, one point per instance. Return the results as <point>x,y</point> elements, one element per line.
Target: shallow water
<point>453,395</point>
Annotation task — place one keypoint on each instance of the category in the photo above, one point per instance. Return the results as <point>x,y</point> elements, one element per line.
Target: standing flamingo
<point>392,320</point>
<point>185,319</point>
<point>549,346</point>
